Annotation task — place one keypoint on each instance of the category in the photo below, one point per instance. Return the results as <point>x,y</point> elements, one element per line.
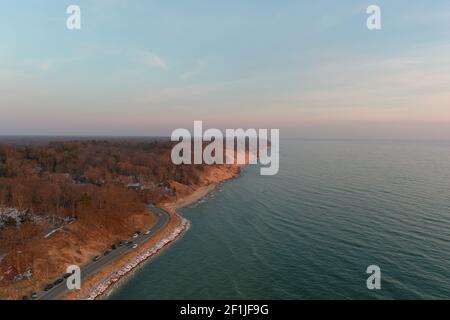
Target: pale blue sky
<point>310,68</point>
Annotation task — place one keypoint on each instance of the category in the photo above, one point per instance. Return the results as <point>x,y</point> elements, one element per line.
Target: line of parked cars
<point>49,286</point>
<point>58,281</point>
<point>128,243</point>
<point>115,246</point>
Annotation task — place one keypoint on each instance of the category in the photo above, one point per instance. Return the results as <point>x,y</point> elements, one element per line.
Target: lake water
<point>311,231</point>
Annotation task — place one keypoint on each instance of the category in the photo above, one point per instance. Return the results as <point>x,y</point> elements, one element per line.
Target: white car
<point>135,235</point>
<point>134,246</point>
<point>148,232</point>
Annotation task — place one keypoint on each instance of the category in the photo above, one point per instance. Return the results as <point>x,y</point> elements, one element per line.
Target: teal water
<point>311,231</point>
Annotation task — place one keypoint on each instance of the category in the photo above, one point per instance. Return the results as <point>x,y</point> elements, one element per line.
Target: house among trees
<point>134,186</point>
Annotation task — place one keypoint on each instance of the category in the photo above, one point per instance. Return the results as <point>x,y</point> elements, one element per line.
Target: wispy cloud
<point>413,85</point>
<point>197,68</point>
<point>151,59</point>
<point>28,67</point>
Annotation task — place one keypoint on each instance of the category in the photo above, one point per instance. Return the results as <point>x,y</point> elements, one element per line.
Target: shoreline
<point>102,288</point>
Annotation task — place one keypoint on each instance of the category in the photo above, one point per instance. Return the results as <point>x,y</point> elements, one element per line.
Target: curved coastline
<point>103,287</point>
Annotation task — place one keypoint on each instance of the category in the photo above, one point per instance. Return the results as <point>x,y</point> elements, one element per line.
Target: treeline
<point>80,178</point>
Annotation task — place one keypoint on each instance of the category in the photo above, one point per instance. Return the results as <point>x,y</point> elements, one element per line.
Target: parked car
<point>114,247</point>
<point>25,298</point>
<point>135,235</point>
<point>134,246</point>
<point>148,232</point>
<point>58,281</point>
<point>48,287</point>
<point>34,295</point>
<point>107,253</point>
<point>96,258</point>
<point>67,275</point>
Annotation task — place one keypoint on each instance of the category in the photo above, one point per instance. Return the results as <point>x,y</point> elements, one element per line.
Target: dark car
<point>114,247</point>
<point>129,243</point>
<point>58,281</point>
<point>67,275</point>
<point>107,253</point>
<point>96,258</point>
<point>25,298</point>
<point>48,287</point>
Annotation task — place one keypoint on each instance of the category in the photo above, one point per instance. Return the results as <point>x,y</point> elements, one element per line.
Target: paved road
<point>94,267</point>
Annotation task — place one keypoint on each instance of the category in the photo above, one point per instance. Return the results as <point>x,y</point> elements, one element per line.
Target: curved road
<point>94,267</point>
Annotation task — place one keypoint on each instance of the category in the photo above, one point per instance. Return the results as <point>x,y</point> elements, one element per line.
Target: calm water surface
<point>311,231</point>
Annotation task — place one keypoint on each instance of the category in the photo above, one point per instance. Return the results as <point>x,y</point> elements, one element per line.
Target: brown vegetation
<point>101,185</point>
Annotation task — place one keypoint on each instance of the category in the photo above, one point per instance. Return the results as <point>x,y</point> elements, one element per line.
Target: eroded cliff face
<point>209,176</point>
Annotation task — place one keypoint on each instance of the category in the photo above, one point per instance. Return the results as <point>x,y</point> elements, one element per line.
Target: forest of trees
<point>86,180</point>
<point>69,178</point>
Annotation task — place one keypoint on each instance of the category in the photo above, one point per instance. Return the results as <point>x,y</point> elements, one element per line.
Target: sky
<point>309,68</point>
